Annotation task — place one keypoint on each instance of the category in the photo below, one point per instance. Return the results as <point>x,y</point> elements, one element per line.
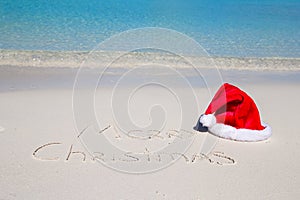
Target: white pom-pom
<point>208,120</point>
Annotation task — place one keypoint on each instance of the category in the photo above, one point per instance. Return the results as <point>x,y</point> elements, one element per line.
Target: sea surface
<point>225,28</point>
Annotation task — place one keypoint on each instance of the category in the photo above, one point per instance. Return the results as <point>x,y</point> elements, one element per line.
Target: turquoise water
<point>223,27</point>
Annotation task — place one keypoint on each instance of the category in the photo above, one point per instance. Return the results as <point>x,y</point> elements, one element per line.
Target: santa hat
<point>233,115</point>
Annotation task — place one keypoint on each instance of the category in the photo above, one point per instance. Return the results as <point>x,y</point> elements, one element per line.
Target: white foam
<point>73,59</point>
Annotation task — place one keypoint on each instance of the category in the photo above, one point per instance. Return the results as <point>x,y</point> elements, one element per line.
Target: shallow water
<point>224,28</point>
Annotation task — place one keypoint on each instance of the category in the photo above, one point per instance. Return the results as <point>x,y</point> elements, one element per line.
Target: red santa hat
<point>233,115</point>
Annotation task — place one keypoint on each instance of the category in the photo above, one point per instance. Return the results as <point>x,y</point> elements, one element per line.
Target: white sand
<point>41,115</point>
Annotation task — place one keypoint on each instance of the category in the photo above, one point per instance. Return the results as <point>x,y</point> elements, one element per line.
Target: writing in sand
<point>54,151</point>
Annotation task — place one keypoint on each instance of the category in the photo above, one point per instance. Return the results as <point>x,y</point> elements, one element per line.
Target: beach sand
<point>42,156</point>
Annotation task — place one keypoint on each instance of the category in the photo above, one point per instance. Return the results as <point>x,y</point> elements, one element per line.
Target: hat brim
<point>243,135</point>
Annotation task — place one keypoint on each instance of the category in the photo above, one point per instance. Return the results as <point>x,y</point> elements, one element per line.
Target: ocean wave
<point>76,59</point>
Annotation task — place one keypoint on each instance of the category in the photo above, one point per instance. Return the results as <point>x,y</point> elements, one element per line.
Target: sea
<point>224,28</point>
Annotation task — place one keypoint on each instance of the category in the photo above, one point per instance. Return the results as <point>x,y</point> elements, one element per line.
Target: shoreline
<point>74,59</point>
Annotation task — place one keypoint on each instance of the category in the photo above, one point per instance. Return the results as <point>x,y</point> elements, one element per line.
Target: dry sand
<point>40,132</point>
